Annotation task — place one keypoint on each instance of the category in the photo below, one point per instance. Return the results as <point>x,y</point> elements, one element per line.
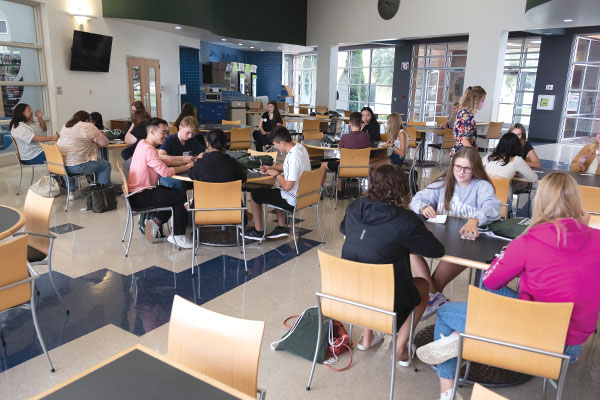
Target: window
<point>437,79</point>
<point>581,115</point>
<point>305,79</point>
<point>365,78</point>
<point>518,82</point>
<point>22,79</point>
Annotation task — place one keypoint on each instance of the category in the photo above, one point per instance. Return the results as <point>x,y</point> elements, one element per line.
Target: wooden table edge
<point>465,262</point>
<point>262,179</point>
<point>187,370</point>
<point>15,227</point>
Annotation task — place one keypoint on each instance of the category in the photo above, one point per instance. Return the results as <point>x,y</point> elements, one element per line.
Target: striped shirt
<point>77,143</point>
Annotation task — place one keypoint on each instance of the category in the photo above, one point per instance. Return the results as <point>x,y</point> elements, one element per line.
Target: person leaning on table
<point>588,158</point>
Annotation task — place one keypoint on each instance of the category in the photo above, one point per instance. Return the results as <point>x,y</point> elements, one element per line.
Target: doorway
<point>144,83</point>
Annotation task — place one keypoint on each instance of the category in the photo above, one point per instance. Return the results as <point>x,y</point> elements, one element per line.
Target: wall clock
<point>388,8</point>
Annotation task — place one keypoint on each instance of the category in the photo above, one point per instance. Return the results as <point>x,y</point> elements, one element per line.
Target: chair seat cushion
<point>34,255</point>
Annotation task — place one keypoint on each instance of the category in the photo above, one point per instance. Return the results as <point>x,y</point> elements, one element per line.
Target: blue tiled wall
<point>190,74</point>
<point>268,67</point>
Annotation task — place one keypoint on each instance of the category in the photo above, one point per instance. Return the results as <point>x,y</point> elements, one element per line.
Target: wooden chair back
<point>412,136</point>
<point>303,110</point>
<point>321,116</point>
<point>125,186</point>
<point>370,284</point>
<point>209,195</point>
<point>384,137</point>
<point>347,113</point>
<point>315,152</point>
<point>16,149</point>
<point>494,130</point>
<point>272,154</point>
<point>173,130</point>
<point>225,122</point>
<point>312,135</point>
<point>13,268</point>
<point>354,163</point>
<point>308,192</point>
<point>594,221</point>
<point>37,219</point>
<point>241,138</point>
<point>439,121</point>
<point>527,323</point>
<point>54,159</point>
<point>310,125</point>
<point>448,139</point>
<point>290,108</point>
<point>502,188</point>
<point>590,199</point>
<point>321,109</point>
<point>482,393</point>
<point>417,123</point>
<point>223,347</point>
<point>282,106</point>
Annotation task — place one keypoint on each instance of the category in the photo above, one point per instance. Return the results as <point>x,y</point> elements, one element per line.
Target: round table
<point>11,220</point>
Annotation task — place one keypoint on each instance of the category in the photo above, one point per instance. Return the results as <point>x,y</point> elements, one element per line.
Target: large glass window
<point>518,82</point>
<point>437,79</point>
<point>21,76</point>
<point>581,115</point>
<point>305,79</point>
<point>365,78</point>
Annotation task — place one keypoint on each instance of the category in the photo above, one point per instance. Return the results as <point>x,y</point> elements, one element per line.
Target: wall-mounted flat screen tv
<point>90,52</point>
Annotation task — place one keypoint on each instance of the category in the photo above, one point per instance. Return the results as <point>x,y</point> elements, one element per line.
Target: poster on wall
<point>573,102</point>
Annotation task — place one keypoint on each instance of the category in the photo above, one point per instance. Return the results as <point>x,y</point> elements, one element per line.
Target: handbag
<point>300,339</point>
<point>101,199</point>
<point>46,187</point>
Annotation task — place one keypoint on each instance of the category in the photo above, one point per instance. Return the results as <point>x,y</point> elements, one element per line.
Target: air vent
<point>3,27</point>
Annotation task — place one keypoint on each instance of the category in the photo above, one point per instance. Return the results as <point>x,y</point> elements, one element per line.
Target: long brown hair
<point>523,132</point>
<point>471,98</point>
<point>79,116</point>
<point>448,179</point>
<point>276,115</point>
<point>140,117</point>
<point>394,126</point>
<point>389,184</point>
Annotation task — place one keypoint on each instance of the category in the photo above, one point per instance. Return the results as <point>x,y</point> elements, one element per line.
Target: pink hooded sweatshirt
<point>555,270</point>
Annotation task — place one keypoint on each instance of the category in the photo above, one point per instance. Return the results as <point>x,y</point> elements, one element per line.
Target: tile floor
<point>117,302</point>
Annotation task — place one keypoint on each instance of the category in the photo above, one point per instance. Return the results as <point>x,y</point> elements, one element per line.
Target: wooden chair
<point>359,294</point>
<point>22,164</point>
<point>384,137</point>
<point>56,167</point>
<point>17,283</point>
<point>494,132</point>
<point>173,130</point>
<point>241,139</point>
<point>321,116</point>
<point>481,393</point>
<point>594,221</point>
<point>590,199</point>
<point>448,141</point>
<point>219,346</point>
<point>308,195</point>
<point>347,113</point>
<point>290,108</point>
<point>282,106</point>
<point>218,204</point>
<point>272,154</point>
<point>518,335</point>
<point>225,122</point>
<point>412,139</point>
<point>310,125</point>
<point>315,153</point>
<point>41,241</point>
<point>502,188</point>
<point>132,212</point>
<point>312,135</point>
<point>321,109</point>
<point>354,163</point>
<point>302,109</point>
<point>439,121</point>
<point>417,123</point>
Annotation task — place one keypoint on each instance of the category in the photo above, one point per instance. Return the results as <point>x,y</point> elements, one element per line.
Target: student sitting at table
<point>214,165</point>
<point>505,161</point>
<point>464,190</point>
<point>78,144</point>
<point>180,149</point>
<point>187,110</point>
<point>268,121</point>
<point>287,176</point>
<point>136,133</point>
<point>135,106</point>
<point>28,133</point>
<point>355,139</point>
<point>397,139</point>
<point>146,167</point>
<point>465,128</point>
<point>370,124</point>
<point>392,233</point>
<point>588,158</point>
<point>556,259</point>
<point>529,154</point>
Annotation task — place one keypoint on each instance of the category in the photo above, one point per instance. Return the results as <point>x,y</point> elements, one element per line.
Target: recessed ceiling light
<point>279,47</point>
<point>568,20</point>
<point>262,49</point>
<point>536,41</point>
<point>251,47</point>
<point>223,39</point>
<point>177,27</point>
<point>240,44</point>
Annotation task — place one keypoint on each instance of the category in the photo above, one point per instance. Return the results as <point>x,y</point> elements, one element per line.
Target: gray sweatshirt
<point>476,200</point>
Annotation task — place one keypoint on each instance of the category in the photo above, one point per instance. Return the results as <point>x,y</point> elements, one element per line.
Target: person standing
<point>28,134</point>
<point>465,128</point>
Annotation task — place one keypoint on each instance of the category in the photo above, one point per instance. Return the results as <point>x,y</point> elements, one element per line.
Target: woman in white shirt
<point>505,161</point>
<point>28,133</point>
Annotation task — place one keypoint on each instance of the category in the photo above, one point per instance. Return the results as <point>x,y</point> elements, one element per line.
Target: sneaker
<point>71,196</point>
<point>434,304</point>
<point>280,231</point>
<point>180,241</point>
<point>152,230</point>
<point>447,395</point>
<point>439,351</point>
<point>253,234</point>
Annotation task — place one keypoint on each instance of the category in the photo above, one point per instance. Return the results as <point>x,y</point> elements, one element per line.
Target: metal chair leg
<point>129,215</point>
<point>319,225</point>
<point>60,298</point>
<point>68,191</point>
<point>37,327</point>
<point>394,344</point>
<point>319,325</point>
<point>32,175</point>
<point>264,207</point>
<point>294,231</point>
<point>20,177</point>
<point>130,235</point>
<point>243,247</point>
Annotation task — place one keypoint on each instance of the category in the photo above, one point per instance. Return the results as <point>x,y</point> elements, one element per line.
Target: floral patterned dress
<point>464,127</point>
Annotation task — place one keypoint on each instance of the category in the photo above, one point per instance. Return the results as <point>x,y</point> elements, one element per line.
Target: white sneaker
<point>71,196</point>
<point>446,395</point>
<point>180,241</point>
<point>377,337</point>
<point>439,351</point>
<point>433,305</point>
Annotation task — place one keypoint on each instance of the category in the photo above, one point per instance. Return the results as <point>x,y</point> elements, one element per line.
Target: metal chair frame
<point>22,164</point>
<point>67,176</point>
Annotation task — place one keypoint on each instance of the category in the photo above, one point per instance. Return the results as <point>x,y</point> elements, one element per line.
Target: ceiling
<point>581,12</point>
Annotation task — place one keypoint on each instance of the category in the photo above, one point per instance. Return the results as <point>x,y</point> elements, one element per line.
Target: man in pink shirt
<point>145,168</point>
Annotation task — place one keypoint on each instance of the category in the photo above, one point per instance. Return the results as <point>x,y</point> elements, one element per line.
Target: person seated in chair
<point>287,176</point>
<point>28,133</point>
<point>214,165</point>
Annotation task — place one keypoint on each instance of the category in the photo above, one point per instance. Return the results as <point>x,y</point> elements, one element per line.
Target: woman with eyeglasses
<point>464,190</point>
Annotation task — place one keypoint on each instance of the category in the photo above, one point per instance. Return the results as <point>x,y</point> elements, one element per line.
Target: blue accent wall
<point>190,75</point>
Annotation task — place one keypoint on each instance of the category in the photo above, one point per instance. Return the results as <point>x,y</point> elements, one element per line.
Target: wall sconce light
<point>81,19</point>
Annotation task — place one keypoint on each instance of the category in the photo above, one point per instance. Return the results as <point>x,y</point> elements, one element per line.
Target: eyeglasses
<point>458,168</point>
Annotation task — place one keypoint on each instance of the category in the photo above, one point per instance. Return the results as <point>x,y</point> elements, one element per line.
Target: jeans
<point>100,168</point>
<point>174,183</point>
<point>396,159</point>
<point>452,317</point>
<point>39,159</point>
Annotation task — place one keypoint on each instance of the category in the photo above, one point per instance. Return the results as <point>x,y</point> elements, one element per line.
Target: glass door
<point>144,83</point>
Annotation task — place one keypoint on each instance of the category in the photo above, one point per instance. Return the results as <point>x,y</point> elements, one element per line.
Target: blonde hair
<point>394,126</point>
<point>189,122</point>
<point>557,197</point>
<point>471,98</point>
